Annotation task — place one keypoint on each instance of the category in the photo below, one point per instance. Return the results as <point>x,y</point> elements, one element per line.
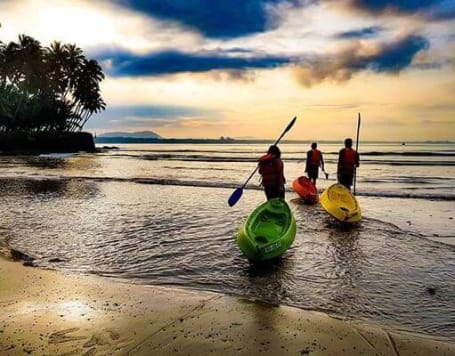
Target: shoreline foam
<point>49,312</point>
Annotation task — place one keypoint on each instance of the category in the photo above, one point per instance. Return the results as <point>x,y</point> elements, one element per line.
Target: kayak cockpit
<point>268,231</point>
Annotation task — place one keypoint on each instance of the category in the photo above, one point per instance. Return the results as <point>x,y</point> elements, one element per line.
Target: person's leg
<point>312,174</point>
<point>274,192</point>
<point>268,193</point>
<point>346,180</point>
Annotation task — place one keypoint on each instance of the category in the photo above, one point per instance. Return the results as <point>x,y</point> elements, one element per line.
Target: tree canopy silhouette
<point>47,89</point>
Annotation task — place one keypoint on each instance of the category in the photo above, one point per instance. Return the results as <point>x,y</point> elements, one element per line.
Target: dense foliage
<point>47,89</point>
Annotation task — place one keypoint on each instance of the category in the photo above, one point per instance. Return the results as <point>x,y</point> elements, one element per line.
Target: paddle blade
<point>234,198</point>
<point>290,125</point>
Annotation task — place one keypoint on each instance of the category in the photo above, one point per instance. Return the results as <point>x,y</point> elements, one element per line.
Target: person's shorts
<point>274,192</point>
<point>345,179</point>
<point>312,172</point>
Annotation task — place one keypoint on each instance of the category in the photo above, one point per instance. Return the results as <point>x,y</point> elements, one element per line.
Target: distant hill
<point>138,134</point>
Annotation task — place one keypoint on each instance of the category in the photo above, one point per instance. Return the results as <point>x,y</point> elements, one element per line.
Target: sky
<point>244,68</point>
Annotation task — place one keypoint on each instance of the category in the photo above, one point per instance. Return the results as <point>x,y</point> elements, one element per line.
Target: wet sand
<point>48,312</point>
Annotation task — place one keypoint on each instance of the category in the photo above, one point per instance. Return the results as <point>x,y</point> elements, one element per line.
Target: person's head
<point>274,150</point>
<point>348,143</point>
<point>314,145</point>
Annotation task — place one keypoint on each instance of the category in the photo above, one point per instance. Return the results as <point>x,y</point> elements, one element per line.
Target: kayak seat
<point>261,239</point>
<point>268,227</point>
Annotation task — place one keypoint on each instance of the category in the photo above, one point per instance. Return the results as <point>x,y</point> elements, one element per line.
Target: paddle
<point>356,149</point>
<point>326,174</point>
<point>234,198</point>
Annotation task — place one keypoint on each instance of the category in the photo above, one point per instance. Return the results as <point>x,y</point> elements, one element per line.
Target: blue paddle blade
<point>234,198</point>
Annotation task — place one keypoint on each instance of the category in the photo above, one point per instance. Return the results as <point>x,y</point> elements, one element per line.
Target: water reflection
<point>347,258</point>
<point>183,236</point>
<point>64,163</point>
<point>265,321</point>
<point>46,162</point>
<point>49,188</point>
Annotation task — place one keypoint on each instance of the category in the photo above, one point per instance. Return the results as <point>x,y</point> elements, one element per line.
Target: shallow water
<point>94,214</point>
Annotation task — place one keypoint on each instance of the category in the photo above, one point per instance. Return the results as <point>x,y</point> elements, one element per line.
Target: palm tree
<point>57,57</point>
<point>86,92</point>
<point>29,68</point>
<point>72,66</point>
<point>47,89</point>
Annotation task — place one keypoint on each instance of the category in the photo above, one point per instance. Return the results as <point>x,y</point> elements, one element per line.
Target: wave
<point>223,185</point>
<point>242,159</point>
<point>409,153</point>
<point>403,195</point>
<point>302,153</point>
<point>411,163</point>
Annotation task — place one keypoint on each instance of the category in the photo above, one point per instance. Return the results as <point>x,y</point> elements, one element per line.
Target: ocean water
<point>158,214</point>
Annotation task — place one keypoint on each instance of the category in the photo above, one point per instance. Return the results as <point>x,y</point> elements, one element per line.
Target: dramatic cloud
<point>171,62</point>
<point>216,18</point>
<point>389,58</point>
<point>432,9</point>
<point>365,32</point>
<point>206,68</point>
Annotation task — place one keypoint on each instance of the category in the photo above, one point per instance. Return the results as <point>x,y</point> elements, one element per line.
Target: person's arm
<point>322,162</point>
<point>307,160</point>
<point>340,157</point>
<point>266,157</point>
<point>280,170</point>
<point>357,159</point>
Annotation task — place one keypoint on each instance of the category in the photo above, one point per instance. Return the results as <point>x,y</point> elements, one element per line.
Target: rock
<point>17,255</point>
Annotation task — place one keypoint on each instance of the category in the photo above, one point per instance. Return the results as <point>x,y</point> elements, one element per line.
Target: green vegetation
<point>47,89</point>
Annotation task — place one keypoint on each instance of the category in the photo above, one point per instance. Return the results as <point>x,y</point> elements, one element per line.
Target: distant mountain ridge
<point>137,134</point>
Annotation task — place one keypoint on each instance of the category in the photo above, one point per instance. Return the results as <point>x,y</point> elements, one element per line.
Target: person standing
<point>348,161</point>
<point>314,160</point>
<point>272,172</point>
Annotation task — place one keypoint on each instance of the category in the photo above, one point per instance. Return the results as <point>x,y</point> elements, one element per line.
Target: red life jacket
<point>271,170</point>
<point>347,159</point>
<point>315,157</point>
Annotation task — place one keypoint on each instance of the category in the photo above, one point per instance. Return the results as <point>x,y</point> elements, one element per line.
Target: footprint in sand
<point>114,335</point>
<point>97,339</point>
<point>61,336</point>
<point>103,338</point>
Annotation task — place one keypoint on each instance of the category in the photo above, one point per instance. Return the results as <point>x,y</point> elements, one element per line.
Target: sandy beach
<point>46,312</point>
<point>139,141</point>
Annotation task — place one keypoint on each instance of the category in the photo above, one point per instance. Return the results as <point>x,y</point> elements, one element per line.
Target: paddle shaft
<point>356,150</point>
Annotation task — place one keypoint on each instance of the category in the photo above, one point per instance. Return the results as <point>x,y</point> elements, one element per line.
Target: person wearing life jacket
<point>314,160</point>
<point>271,170</point>
<point>348,161</point>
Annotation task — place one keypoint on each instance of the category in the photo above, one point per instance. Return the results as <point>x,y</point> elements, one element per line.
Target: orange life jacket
<point>271,170</point>
<point>347,159</point>
<point>315,157</point>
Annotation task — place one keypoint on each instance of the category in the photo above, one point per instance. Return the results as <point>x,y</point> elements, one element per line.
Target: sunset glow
<point>195,75</point>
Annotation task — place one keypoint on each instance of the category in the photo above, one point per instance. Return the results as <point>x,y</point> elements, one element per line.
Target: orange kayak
<point>306,190</point>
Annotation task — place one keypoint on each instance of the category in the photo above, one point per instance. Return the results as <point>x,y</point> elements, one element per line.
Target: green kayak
<point>268,232</point>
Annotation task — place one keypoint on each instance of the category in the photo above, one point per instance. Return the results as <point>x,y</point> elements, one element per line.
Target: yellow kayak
<point>339,202</point>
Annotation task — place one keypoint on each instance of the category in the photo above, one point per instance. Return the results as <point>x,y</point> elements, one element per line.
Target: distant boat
<point>403,144</point>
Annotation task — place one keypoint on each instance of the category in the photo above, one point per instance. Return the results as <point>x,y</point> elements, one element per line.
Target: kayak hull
<point>268,231</point>
<point>306,190</point>
<point>338,201</point>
